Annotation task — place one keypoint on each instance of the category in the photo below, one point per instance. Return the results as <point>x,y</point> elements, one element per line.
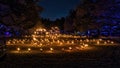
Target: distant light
<point>100,39</point>
<point>51,49</point>
<point>77,47</point>
<point>29,49</point>
<point>98,42</point>
<point>41,49</point>
<point>61,43</point>
<point>63,49</point>
<point>108,40</point>
<point>41,44</point>
<point>18,49</point>
<point>86,45</point>
<point>70,48</point>
<point>87,40</point>
<point>47,33</point>
<point>72,42</point>
<point>105,42</point>
<point>82,46</point>
<point>112,42</point>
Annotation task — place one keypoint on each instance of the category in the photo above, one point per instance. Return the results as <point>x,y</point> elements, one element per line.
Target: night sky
<point>57,8</point>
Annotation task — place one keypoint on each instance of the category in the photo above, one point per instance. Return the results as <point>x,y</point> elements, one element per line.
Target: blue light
<point>1,26</point>
<point>8,34</point>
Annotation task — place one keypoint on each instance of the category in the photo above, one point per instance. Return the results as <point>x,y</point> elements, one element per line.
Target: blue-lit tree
<point>101,15</point>
<point>109,18</point>
<point>19,14</point>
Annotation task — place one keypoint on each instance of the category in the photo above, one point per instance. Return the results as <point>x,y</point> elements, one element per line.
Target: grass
<point>101,57</point>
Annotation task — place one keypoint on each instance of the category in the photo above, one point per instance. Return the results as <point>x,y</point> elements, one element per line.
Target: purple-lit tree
<point>19,14</point>
<point>94,14</point>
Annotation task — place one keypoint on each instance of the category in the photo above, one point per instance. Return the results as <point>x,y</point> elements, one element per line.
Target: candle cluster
<point>52,40</point>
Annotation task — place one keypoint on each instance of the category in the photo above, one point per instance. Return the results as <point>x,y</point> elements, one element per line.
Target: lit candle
<point>98,42</point>
<point>18,49</point>
<point>51,49</point>
<point>70,48</point>
<point>86,45</point>
<point>41,49</point>
<point>29,49</point>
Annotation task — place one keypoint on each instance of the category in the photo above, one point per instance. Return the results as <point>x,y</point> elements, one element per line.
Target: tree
<point>60,23</point>
<point>93,14</point>
<point>68,24</point>
<point>21,13</point>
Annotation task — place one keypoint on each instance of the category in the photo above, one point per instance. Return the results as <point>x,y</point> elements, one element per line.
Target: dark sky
<point>57,8</point>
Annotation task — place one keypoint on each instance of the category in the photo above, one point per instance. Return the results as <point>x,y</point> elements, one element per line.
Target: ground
<point>101,57</point>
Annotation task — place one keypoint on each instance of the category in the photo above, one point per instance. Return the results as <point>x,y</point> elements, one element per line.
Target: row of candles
<point>57,42</point>
<point>53,49</point>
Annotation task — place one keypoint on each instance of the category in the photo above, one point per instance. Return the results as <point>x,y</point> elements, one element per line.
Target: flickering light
<point>68,42</point>
<point>47,33</point>
<point>70,48</point>
<point>77,47</point>
<point>80,40</point>
<point>108,40</point>
<point>87,40</point>
<point>22,42</point>
<point>105,42</point>
<point>72,42</point>
<point>98,42</point>
<point>93,40</point>
<point>40,44</point>
<point>8,42</point>
<point>61,43</point>
<point>112,42</point>
<point>51,49</point>
<point>100,39</point>
<point>13,42</point>
<point>58,41</point>
<point>18,49</point>
<point>34,38</point>
<point>63,48</point>
<point>41,49</point>
<point>86,45</point>
<point>35,43</point>
<point>82,46</point>
<point>29,49</point>
<point>44,29</point>
<point>35,32</point>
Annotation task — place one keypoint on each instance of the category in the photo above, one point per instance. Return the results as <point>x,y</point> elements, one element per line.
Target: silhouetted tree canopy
<point>20,13</point>
<point>93,14</point>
